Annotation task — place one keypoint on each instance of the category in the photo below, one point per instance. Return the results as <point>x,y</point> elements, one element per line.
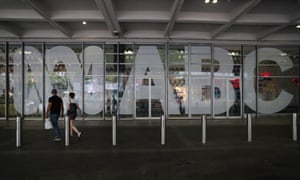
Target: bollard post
<point>249,121</point>
<point>203,129</point>
<point>18,131</point>
<point>163,129</point>
<point>114,130</point>
<point>67,131</point>
<point>294,126</point>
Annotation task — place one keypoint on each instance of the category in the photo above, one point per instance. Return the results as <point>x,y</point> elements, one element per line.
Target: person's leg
<point>54,120</point>
<point>70,121</point>
<point>73,127</point>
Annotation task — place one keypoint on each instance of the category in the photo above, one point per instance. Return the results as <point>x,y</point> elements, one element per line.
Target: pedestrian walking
<point>55,108</point>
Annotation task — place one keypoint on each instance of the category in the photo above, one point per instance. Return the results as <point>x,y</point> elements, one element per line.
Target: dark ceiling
<point>231,20</point>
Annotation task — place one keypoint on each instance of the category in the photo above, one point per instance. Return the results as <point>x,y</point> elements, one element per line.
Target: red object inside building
<point>265,74</point>
<point>235,83</point>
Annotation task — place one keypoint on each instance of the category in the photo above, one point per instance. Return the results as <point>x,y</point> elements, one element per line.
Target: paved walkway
<point>139,155</point>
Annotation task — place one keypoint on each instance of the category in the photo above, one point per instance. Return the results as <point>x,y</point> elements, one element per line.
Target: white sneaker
<point>56,139</point>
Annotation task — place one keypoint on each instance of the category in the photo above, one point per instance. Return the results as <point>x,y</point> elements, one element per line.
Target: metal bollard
<point>249,122</point>
<point>163,129</point>
<point>114,130</point>
<point>203,129</point>
<point>294,126</point>
<point>18,131</point>
<point>67,131</point>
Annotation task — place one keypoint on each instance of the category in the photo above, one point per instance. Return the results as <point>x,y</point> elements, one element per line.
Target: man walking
<point>54,109</point>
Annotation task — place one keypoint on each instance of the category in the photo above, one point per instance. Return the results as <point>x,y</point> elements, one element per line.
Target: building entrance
<point>147,105</point>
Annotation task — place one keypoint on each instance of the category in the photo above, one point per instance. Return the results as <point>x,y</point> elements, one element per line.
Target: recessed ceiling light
<point>84,22</point>
<point>211,1</point>
<point>298,26</point>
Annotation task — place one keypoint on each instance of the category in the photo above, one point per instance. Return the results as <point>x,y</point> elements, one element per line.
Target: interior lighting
<point>211,1</point>
<point>298,26</point>
<point>84,22</point>
<point>180,51</point>
<point>128,51</point>
<point>233,53</point>
<point>283,54</point>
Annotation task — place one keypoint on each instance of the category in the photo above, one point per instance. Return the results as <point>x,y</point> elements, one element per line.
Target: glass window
<point>227,80</point>
<point>278,75</point>
<point>143,95</point>
<point>2,81</point>
<point>129,79</point>
<point>200,82</point>
<point>93,81</point>
<point>64,71</point>
<point>15,80</point>
<point>249,79</point>
<point>178,81</point>
<point>33,81</point>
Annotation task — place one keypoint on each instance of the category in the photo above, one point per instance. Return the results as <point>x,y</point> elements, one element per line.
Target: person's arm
<point>48,109</point>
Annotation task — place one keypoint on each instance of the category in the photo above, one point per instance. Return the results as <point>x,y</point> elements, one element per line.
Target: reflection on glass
<point>276,68</point>
<point>14,79</point>
<point>33,84</point>
<point>117,76</point>
<point>227,80</point>
<point>2,80</point>
<point>64,71</point>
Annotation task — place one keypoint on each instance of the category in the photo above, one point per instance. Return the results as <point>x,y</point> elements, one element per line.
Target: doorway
<point>147,101</point>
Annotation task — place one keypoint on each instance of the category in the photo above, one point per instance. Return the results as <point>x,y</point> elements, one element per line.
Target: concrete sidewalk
<point>139,155</point>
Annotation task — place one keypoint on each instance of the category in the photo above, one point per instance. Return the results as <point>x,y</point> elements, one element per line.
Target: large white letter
<point>147,58</point>
<point>202,79</point>
<point>93,92</point>
<point>284,98</point>
<point>32,84</point>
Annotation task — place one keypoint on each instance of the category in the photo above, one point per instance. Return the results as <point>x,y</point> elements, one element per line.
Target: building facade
<point>147,80</point>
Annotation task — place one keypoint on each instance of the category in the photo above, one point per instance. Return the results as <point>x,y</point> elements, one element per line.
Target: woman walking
<point>72,108</point>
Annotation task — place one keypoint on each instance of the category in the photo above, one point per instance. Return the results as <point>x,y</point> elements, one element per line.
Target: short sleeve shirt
<point>56,104</point>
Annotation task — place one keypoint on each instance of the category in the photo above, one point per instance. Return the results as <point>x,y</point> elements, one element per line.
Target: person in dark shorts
<point>55,108</point>
<point>72,108</point>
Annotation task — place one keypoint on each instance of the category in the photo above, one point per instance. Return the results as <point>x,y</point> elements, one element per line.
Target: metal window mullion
<point>256,78</point>
<point>104,81</point>
<point>23,94</point>
<point>149,96</point>
<point>118,80</point>
<point>23,79</point>
<point>227,98</point>
<point>242,107</point>
<point>212,80</point>
<point>298,79</point>
<point>44,79</point>
<point>166,79</point>
<point>189,80</point>
<point>82,77</point>
<point>6,80</point>
<point>134,88</point>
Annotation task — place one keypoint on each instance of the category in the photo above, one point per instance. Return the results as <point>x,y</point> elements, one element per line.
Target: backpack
<point>73,109</point>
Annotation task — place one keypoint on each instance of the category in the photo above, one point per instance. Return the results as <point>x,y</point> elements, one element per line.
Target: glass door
<point>148,104</point>
<point>143,98</point>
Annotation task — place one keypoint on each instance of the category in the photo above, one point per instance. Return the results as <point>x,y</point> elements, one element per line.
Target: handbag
<point>48,124</point>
